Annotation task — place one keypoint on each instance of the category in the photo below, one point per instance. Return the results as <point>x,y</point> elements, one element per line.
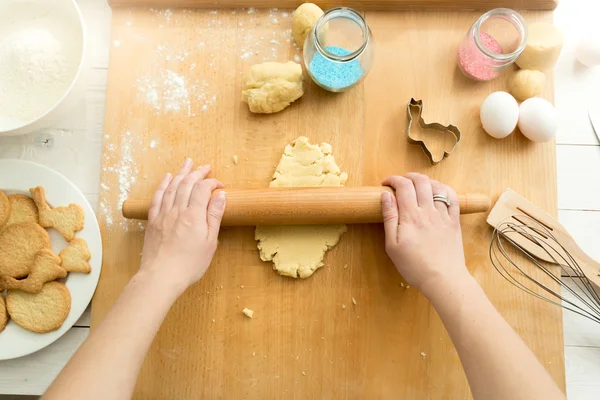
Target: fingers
<point>157,199</point>
<point>406,196</point>
<point>390,216</point>
<point>423,189</point>
<point>182,198</point>
<point>214,214</point>
<point>441,189</point>
<point>201,195</point>
<point>169,197</point>
<point>454,209</point>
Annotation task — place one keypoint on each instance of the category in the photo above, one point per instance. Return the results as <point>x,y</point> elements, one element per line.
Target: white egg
<point>537,119</point>
<point>588,49</point>
<point>499,114</point>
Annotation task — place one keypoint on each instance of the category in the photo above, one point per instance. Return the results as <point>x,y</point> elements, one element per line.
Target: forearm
<point>107,364</point>
<point>496,361</point>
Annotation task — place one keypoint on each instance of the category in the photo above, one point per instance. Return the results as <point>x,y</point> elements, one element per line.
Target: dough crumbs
<point>423,354</point>
<point>303,373</point>
<point>235,159</point>
<point>345,266</point>
<point>298,251</point>
<point>401,284</point>
<point>343,306</point>
<point>353,301</point>
<point>253,353</point>
<point>248,313</point>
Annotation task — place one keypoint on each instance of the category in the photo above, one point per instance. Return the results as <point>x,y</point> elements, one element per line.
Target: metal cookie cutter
<point>416,106</point>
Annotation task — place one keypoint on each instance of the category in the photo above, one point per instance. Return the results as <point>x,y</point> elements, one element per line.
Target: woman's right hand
<point>423,237</point>
<point>183,225</point>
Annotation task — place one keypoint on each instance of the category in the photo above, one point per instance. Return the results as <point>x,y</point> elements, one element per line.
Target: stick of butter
<point>543,47</point>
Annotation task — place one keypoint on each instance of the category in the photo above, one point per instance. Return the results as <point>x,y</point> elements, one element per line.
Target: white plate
<point>17,176</point>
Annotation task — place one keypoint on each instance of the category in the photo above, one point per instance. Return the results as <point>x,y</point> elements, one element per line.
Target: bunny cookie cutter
<point>415,109</point>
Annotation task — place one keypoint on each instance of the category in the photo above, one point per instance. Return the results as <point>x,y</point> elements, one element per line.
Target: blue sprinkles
<point>332,74</point>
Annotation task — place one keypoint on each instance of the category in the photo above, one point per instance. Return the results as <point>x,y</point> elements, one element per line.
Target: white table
<point>78,144</point>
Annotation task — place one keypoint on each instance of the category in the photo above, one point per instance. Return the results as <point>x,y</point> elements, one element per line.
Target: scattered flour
<point>126,170</point>
<point>117,43</point>
<point>126,174</point>
<point>169,94</point>
<point>108,220</point>
<point>153,143</point>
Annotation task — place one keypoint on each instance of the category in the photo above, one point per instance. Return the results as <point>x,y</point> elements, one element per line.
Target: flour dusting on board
<point>183,86</point>
<point>126,173</point>
<point>168,94</point>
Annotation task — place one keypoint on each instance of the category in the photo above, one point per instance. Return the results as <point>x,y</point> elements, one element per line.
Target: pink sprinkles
<point>476,65</point>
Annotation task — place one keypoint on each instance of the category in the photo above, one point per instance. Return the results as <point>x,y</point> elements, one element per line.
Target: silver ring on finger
<point>442,198</point>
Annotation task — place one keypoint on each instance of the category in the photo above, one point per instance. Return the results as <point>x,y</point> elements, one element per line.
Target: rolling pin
<point>306,206</point>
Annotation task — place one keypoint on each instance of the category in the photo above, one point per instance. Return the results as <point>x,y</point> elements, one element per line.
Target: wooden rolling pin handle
<point>305,206</point>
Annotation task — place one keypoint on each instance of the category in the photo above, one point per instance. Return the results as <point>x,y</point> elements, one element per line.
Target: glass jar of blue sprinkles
<point>338,53</point>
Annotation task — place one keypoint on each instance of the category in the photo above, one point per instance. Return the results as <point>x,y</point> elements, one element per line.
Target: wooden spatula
<point>512,207</point>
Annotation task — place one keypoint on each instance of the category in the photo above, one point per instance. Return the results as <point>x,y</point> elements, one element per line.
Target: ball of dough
<point>526,83</point>
<point>270,87</point>
<point>543,47</point>
<point>304,19</point>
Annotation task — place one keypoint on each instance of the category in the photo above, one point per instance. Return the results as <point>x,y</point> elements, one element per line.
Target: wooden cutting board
<point>165,68</point>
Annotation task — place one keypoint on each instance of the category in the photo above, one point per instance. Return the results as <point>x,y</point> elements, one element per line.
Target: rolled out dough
<point>298,251</point>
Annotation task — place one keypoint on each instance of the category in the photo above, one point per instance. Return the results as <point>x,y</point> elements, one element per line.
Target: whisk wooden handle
<point>305,206</point>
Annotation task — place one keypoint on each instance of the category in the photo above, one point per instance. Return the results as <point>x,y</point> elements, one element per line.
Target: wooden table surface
<point>577,156</point>
<point>175,81</point>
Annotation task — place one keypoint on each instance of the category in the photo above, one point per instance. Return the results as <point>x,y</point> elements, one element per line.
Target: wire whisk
<point>587,302</point>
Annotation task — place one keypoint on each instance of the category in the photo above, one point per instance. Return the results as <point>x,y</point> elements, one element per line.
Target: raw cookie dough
<point>270,87</point>
<point>304,19</point>
<point>526,83</point>
<point>298,251</point>
<point>543,47</point>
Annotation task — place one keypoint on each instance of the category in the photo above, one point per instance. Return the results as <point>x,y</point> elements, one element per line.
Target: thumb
<point>214,214</point>
<point>390,215</point>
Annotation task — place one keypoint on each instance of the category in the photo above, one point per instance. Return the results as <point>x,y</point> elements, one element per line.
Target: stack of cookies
<point>29,269</point>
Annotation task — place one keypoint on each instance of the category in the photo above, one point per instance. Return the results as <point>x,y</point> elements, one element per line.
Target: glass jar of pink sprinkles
<point>492,43</point>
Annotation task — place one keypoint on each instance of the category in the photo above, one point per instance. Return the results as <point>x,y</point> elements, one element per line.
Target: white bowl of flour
<point>42,62</point>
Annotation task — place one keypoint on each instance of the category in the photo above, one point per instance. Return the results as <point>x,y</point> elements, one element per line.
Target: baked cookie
<point>4,208</point>
<point>22,209</point>
<point>40,312</point>
<point>45,268</point>
<point>67,220</point>
<point>19,243</point>
<point>3,314</point>
<point>75,257</point>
